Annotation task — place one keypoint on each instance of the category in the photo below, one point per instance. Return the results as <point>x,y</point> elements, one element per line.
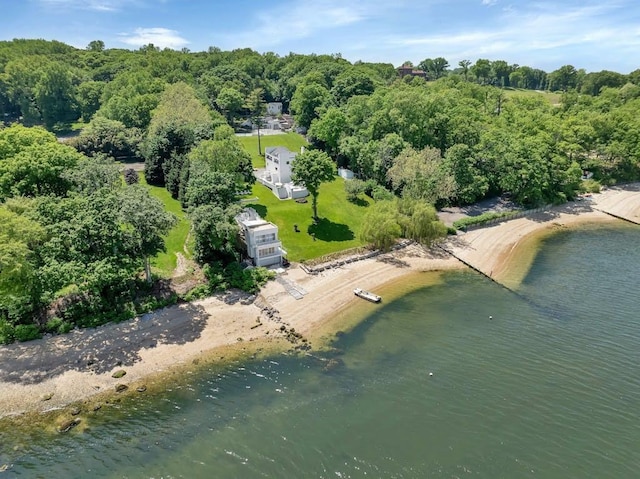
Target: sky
<point>545,34</point>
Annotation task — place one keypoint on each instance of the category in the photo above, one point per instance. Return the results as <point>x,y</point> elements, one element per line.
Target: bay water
<point>463,378</point>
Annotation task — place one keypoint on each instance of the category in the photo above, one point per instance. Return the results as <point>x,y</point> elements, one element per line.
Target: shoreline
<point>58,376</point>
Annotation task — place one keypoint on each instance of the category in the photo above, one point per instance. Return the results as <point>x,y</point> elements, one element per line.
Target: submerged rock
<point>121,387</point>
<point>66,426</point>
<point>332,364</point>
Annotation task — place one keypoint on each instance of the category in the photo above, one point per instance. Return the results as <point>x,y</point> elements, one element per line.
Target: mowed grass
<point>292,141</point>
<point>551,97</point>
<point>338,228</point>
<point>165,262</point>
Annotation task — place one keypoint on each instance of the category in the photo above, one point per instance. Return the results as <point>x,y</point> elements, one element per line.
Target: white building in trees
<point>260,237</point>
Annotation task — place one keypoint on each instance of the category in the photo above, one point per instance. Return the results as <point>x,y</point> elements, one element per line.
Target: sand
<point>52,373</point>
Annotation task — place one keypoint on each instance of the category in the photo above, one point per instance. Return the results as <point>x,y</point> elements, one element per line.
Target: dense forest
<point>76,235</point>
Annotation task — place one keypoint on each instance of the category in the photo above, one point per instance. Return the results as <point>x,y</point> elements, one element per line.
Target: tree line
<point>75,238</point>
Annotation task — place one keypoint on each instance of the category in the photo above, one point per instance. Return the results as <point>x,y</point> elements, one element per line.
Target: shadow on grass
<point>359,202</point>
<point>260,209</point>
<point>326,230</point>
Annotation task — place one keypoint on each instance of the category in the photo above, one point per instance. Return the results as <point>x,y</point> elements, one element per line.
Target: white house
<point>260,238</point>
<point>274,108</point>
<point>277,173</point>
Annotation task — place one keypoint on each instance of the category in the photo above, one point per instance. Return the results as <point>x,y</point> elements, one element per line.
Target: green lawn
<point>338,229</point>
<point>551,97</point>
<point>293,141</point>
<point>165,262</point>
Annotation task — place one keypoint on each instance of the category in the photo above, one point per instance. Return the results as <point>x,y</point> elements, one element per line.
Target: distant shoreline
<point>73,373</point>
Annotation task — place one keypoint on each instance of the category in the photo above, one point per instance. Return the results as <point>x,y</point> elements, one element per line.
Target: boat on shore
<point>369,296</point>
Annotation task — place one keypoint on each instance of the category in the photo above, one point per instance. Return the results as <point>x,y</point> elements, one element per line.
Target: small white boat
<point>374,298</point>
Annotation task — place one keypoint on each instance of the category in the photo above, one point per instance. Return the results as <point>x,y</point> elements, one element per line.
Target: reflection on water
<point>427,386</point>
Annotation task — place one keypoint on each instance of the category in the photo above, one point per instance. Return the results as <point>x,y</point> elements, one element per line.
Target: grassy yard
<point>165,262</point>
<point>292,141</point>
<point>551,97</point>
<point>338,228</point>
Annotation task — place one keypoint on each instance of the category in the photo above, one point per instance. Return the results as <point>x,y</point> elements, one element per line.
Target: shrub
<point>53,324</point>
<point>131,176</point>
<point>369,186</point>
<point>380,193</point>
<point>233,275</point>
<point>353,188</point>
<point>27,332</point>
<point>7,332</point>
<point>199,292</point>
<point>474,220</point>
<point>152,303</point>
<point>590,186</point>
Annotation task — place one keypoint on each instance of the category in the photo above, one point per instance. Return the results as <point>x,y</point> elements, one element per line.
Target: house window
<point>266,252</point>
<point>267,238</point>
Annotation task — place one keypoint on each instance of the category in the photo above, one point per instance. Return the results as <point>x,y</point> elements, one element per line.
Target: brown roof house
<point>409,70</point>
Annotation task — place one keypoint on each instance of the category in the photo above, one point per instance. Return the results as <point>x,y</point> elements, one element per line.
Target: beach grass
<point>338,228</point>
<point>292,141</point>
<point>165,262</point>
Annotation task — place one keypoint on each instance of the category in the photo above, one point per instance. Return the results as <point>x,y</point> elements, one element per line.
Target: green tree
<point>109,137</point>
<point>564,78</point>
<point>501,70</point>
<point>209,187</point>
<point>38,170</point>
<point>215,233</point>
<point>435,67</point>
<point>19,238</point>
<point>328,129</point>
<point>95,46</point>
<point>17,138</point>
<point>146,220</point>
<point>257,107</point>
<point>351,82</point>
<point>482,70</point>
<point>419,221</point>
<point>471,184</point>
<point>131,97</point>
<point>380,226</point>
<point>55,95</point>
<point>306,102</point>
<point>88,95</point>
<point>310,169</point>
<point>179,122</point>
<point>230,101</point>
<point>422,175</point>
<point>93,174</point>
<point>465,64</point>
<point>20,78</point>
<point>353,188</point>
<point>225,155</point>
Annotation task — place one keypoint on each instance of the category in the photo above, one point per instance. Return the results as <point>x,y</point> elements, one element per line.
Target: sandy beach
<point>52,373</point>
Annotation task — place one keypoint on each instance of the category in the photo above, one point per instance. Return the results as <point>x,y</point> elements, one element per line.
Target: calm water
<point>549,388</point>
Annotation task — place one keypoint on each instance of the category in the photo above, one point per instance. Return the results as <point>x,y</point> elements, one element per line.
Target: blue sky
<point>546,34</point>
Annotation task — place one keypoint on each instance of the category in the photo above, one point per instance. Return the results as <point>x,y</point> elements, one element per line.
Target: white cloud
<point>159,37</point>
<point>489,2</point>
<point>542,28</point>
<point>95,5</point>
<point>304,19</point>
